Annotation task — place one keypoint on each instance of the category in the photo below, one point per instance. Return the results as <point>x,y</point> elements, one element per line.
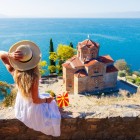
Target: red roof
<point>89,43</point>
<point>106,59</point>
<point>92,62</point>
<point>111,69</point>
<point>73,62</point>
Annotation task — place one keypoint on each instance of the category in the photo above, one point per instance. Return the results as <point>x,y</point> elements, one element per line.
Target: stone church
<point>87,71</point>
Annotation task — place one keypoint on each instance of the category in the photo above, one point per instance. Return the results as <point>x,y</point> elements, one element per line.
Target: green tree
<point>138,81</point>
<point>122,65</point>
<point>42,67</point>
<point>122,74</point>
<point>71,44</point>
<point>53,56</point>
<point>52,68</point>
<point>59,68</point>
<point>52,62</point>
<point>63,53</point>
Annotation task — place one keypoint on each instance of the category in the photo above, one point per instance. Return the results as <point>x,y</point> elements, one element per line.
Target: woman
<point>37,111</point>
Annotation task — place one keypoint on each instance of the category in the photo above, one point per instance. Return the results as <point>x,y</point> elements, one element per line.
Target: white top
<point>40,117</point>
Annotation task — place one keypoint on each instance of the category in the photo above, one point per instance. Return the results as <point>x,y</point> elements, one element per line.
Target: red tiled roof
<point>92,62</point>
<point>75,62</point>
<point>106,59</point>
<point>89,43</point>
<point>111,69</point>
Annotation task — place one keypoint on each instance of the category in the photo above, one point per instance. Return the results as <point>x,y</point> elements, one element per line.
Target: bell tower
<point>87,50</point>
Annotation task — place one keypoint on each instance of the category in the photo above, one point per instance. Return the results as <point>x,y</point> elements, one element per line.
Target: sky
<point>70,8</point>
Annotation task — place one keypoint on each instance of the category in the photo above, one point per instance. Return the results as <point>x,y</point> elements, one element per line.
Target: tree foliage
<point>52,68</point>
<point>138,81</point>
<point>52,62</point>
<point>122,65</point>
<point>42,67</point>
<point>53,56</point>
<point>51,46</point>
<point>71,44</point>
<point>59,68</point>
<point>65,52</point>
<point>122,74</point>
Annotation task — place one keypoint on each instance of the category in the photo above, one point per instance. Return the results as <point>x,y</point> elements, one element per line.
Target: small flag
<point>63,100</point>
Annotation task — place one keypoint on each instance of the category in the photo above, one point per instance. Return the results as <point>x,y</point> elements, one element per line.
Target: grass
<point>123,98</point>
<point>85,103</point>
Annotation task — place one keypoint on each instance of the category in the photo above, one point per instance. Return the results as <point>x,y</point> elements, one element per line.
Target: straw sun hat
<point>31,55</point>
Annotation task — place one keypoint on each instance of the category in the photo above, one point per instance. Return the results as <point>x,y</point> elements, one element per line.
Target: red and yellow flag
<point>63,100</point>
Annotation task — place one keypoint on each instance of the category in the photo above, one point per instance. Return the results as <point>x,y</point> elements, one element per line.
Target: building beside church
<point>87,71</point>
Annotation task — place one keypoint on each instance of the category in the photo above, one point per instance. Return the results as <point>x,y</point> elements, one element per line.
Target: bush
<point>137,81</point>
<point>122,74</point>
<point>52,68</point>
<point>10,98</point>
<point>42,67</point>
<point>4,87</point>
<point>131,80</point>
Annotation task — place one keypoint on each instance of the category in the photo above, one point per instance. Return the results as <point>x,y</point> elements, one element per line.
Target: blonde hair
<point>25,80</point>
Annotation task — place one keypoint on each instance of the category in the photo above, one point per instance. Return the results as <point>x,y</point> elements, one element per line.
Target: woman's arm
<point>4,57</point>
<point>35,97</point>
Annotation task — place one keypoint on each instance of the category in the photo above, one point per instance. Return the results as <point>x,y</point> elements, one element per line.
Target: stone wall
<point>110,79</point>
<point>76,129</point>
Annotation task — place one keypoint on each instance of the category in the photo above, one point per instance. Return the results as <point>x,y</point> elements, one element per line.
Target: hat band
<point>27,60</point>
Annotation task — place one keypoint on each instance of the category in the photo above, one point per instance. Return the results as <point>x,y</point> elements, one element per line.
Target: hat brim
<point>28,65</point>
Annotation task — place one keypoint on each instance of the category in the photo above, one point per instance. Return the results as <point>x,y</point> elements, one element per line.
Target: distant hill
<point>129,14</point>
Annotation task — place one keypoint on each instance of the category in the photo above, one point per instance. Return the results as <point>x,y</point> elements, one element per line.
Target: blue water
<point>118,37</point>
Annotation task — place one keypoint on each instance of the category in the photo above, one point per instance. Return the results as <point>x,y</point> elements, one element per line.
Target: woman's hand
<point>48,100</point>
<point>17,55</point>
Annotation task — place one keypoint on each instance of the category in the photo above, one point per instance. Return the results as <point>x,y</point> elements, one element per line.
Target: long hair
<point>25,80</point>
